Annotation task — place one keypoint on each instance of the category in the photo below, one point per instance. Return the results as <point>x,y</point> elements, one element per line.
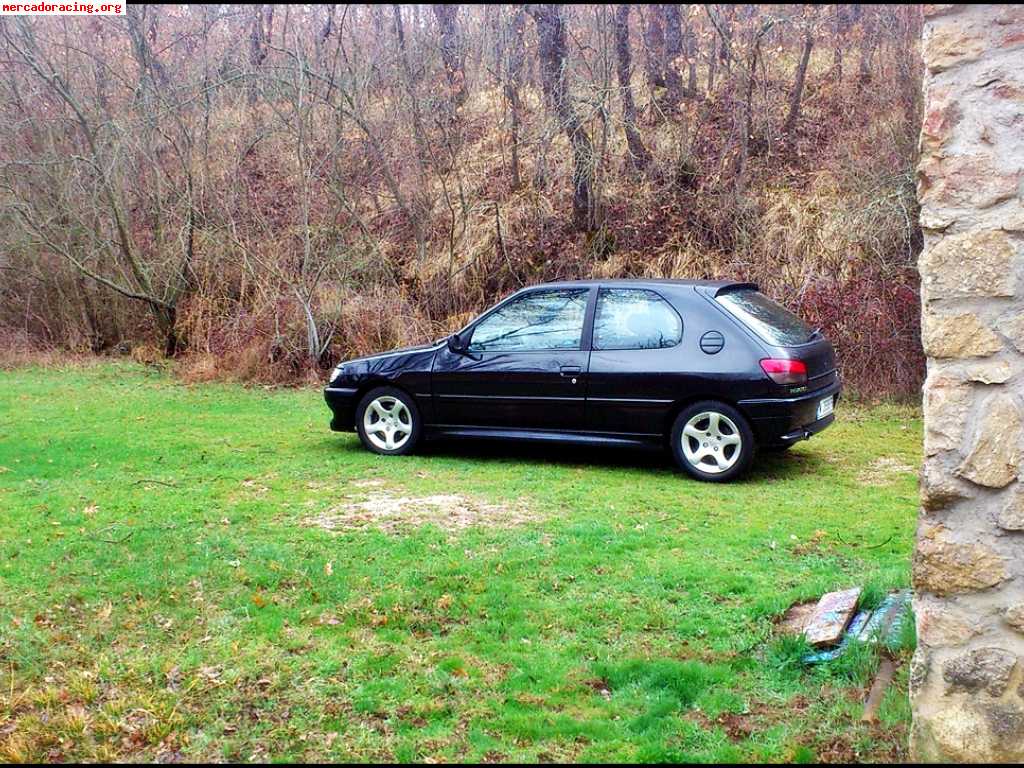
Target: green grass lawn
<point>206,572</point>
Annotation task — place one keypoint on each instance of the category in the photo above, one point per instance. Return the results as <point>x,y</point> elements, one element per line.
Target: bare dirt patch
<point>737,727</point>
<point>394,514</point>
<point>884,470</point>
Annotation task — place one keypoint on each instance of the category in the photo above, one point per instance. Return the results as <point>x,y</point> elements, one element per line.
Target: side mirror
<point>457,344</point>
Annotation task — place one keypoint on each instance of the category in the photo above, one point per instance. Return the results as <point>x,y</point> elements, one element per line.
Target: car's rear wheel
<point>712,441</point>
<point>388,421</point>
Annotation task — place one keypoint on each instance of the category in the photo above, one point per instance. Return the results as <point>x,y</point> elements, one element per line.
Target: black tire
<point>736,456</point>
<point>377,440</point>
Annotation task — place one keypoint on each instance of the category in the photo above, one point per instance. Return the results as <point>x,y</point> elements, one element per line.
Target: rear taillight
<point>785,371</point>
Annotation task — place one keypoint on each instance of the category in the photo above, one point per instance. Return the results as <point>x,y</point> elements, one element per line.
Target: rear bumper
<point>342,402</point>
<point>783,421</point>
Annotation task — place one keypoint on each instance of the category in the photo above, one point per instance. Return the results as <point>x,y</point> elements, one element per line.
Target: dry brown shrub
<point>147,354</point>
<point>379,319</point>
<point>18,349</point>
<point>199,368</point>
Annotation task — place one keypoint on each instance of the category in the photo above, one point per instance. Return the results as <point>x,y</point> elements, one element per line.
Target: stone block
<point>954,733</point>
<point>976,263</point>
<point>994,456</point>
<point>952,44</point>
<point>1014,616</point>
<point>989,372</point>
<point>957,336</point>
<point>946,404</point>
<point>1011,516</point>
<point>984,669</point>
<point>939,489</point>
<point>977,181</point>
<point>942,626</point>
<point>943,566</point>
<point>1012,327</point>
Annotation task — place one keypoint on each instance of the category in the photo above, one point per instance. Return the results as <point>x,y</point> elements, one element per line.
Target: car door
<point>634,375</point>
<point>524,368</point>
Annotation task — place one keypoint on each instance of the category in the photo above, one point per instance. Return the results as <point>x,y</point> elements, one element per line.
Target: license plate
<point>825,407</point>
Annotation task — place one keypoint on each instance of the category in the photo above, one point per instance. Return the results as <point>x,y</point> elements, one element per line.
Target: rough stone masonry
<point>967,679</point>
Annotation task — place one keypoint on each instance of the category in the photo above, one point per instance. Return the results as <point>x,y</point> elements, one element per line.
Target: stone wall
<point>967,679</point>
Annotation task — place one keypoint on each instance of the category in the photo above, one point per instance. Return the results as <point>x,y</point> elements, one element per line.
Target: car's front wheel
<point>388,421</point>
<point>712,441</point>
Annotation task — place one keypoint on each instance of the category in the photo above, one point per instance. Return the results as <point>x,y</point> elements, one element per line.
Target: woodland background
<point>260,190</point>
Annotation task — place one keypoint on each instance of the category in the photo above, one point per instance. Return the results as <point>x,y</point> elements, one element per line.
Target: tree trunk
<point>259,37</point>
<point>513,81</point>
<point>673,53</point>
<point>553,54</point>
<point>798,86</point>
<point>166,318</point>
<point>654,48</point>
<point>725,46</point>
<point>639,157</point>
<point>908,63</point>
<point>712,63</point>
<point>838,26</point>
<point>746,118</point>
<point>869,43</point>
<point>423,153</point>
<point>452,51</point>
<point>691,54</point>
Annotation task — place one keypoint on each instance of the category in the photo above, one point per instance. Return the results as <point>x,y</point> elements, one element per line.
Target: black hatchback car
<point>712,369</point>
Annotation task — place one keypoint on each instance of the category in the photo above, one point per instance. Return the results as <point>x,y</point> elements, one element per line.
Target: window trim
<point>588,320</point>
<point>682,325</point>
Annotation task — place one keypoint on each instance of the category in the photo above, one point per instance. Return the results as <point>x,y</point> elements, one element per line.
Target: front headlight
<point>336,373</point>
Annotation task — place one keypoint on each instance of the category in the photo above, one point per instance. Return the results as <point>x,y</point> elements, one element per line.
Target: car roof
<point>713,286</point>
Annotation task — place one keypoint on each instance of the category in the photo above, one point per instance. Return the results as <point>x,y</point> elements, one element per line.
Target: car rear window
<point>772,322</point>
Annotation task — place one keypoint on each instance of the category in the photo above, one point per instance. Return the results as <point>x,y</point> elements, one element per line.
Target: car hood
<point>395,352</point>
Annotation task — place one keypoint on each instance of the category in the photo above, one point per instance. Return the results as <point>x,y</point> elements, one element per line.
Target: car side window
<point>634,318</point>
<point>540,320</point>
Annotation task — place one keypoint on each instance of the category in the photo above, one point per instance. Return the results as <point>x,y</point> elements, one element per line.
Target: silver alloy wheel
<point>711,442</point>
<point>387,423</point>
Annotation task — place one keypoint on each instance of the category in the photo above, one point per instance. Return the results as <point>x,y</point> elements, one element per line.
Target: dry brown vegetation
<point>259,190</point>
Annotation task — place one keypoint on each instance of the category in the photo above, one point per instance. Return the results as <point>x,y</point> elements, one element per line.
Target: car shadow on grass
<point>800,461</point>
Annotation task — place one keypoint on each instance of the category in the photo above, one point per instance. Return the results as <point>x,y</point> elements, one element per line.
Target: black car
<point>713,369</point>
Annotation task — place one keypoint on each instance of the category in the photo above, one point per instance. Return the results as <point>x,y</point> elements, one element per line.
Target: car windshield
<point>772,322</point>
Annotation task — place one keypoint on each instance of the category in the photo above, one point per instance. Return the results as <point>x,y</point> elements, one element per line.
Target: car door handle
<point>570,370</point>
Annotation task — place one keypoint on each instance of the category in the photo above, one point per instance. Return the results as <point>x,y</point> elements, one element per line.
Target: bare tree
<point>261,31</point>
<point>796,94</point>
<point>654,46</point>
<point>638,154</point>
<point>452,50</point>
<point>116,262</point>
<point>870,35</point>
<point>553,54</point>
<point>676,48</point>
<point>690,36</point>
<point>516,48</point>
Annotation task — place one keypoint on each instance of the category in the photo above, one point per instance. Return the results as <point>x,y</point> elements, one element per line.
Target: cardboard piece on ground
<point>830,618</point>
